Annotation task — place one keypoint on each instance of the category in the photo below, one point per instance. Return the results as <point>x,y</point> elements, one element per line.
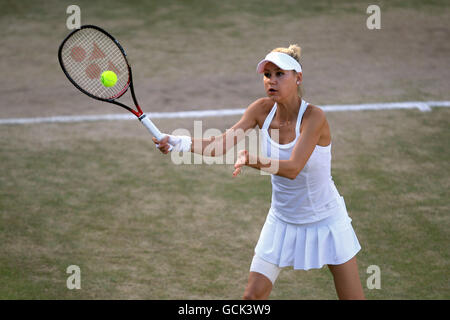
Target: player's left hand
<point>241,161</point>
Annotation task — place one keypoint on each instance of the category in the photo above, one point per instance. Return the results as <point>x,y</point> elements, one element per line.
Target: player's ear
<point>299,77</point>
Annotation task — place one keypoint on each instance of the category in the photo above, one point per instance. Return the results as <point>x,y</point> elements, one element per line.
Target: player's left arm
<point>314,121</point>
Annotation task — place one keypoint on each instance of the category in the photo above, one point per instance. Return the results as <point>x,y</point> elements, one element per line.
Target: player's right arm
<point>218,145</point>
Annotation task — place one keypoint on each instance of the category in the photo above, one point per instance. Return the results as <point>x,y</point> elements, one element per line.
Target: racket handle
<point>151,127</point>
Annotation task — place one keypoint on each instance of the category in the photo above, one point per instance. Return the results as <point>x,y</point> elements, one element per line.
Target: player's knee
<point>256,294</point>
<point>250,295</point>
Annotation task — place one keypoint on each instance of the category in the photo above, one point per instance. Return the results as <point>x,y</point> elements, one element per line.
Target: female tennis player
<point>307,225</point>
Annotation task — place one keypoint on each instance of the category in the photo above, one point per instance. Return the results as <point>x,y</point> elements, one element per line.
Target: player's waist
<point>302,205</point>
<point>306,213</point>
<point>304,199</point>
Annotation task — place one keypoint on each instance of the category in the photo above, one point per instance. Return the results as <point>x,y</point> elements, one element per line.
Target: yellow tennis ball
<point>109,78</point>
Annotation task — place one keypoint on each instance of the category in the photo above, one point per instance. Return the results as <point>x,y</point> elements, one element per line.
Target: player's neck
<point>287,111</point>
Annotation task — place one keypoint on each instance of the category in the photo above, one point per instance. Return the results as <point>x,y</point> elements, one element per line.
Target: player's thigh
<point>346,280</point>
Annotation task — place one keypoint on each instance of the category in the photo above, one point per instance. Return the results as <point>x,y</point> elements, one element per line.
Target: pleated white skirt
<point>308,246</point>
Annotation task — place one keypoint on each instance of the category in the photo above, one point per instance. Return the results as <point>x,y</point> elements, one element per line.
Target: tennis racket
<point>89,51</point>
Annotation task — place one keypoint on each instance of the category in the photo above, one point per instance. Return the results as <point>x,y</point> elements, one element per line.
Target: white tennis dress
<point>307,225</point>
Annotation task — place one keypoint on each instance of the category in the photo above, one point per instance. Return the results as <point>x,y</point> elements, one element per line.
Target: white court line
<point>423,106</point>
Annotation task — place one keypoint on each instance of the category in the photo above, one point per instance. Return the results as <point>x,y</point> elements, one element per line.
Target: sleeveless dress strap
<point>303,107</point>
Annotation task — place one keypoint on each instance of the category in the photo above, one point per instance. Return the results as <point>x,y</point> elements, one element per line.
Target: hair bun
<point>296,51</point>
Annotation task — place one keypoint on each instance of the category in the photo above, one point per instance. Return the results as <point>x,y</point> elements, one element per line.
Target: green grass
<point>140,227</point>
<point>161,10</point>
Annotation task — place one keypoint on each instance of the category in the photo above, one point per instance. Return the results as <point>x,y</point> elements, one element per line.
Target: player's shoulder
<point>314,114</point>
<point>258,110</point>
<point>261,105</point>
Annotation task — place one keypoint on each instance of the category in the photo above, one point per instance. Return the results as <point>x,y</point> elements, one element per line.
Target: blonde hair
<point>295,52</point>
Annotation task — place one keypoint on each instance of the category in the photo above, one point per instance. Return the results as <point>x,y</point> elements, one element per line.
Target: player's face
<point>279,84</point>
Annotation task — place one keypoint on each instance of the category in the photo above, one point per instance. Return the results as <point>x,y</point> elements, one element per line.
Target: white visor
<point>282,60</point>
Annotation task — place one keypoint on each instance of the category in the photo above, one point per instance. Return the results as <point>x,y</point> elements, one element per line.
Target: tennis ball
<point>109,78</point>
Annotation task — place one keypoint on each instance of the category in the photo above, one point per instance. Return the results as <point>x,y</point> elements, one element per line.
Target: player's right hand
<point>163,145</point>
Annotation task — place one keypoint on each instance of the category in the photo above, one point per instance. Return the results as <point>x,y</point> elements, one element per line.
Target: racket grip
<point>151,127</point>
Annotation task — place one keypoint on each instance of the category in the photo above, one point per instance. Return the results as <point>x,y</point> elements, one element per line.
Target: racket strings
<point>87,54</point>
